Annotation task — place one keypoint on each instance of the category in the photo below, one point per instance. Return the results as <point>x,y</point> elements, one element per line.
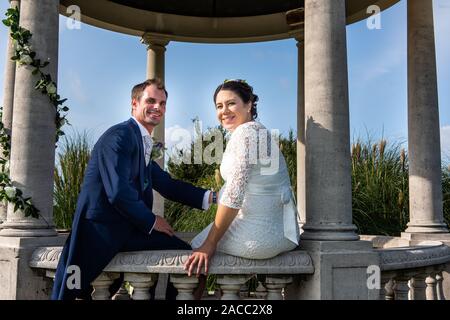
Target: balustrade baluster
<point>275,286</point>
<point>185,286</point>
<point>141,283</point>
<point>101,285</point>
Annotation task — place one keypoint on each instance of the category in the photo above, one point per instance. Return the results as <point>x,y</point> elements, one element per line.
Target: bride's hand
<point>200,257</point>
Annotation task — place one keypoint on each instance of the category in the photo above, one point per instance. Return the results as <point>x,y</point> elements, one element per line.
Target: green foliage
<point>8,192</point>
<point>288,147</point>
<point>446,193</point>
<point>380,187</point>
<point>68,175</point>
<point>184,218</point>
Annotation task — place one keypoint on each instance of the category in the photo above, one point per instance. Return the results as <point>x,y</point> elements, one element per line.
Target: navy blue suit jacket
<point>114,205</point>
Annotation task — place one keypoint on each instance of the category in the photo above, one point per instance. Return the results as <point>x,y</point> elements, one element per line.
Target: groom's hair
<point>138,89</point>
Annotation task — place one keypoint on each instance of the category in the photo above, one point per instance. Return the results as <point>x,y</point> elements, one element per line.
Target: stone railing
<point>411,272</point>
<point>142,268</point>
<point>406,272</point>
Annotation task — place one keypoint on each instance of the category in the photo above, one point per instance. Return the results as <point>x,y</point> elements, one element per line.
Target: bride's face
<point>231,110</point>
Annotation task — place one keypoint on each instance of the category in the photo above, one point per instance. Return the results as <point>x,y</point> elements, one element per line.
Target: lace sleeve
<point>243,151</point>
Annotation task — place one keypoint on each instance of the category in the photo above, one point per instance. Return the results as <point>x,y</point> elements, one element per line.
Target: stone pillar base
<point>414,239</point>
<point>329,233</point>
<point>340,271</point>
<point>438,228</point>
<point>17,280</point>
<point>26,228</point>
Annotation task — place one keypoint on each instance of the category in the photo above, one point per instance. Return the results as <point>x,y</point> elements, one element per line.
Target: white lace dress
<point>257,183</point>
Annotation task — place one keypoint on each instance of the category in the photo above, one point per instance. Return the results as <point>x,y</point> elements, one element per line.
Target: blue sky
<point>97,69</point>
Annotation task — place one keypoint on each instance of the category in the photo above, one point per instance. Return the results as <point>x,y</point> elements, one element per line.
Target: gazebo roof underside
<point>207,21</point>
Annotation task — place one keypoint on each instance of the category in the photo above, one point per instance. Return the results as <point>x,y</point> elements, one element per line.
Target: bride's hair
<point>243,90</point>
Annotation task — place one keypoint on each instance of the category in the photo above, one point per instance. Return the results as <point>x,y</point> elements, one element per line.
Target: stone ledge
<point>172,261</point>
<point>427,254</point>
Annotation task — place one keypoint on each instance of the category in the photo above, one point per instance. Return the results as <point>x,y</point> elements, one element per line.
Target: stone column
<point>8,98</point>
<point>301,174</point>
<point>425,185</point>
<point>156,49</point>
<point>33,142</point>
<point>328,162</point>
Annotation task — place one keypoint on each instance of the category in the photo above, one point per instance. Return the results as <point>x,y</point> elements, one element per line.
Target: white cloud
<point>392,55</point>
<point>76,87</point>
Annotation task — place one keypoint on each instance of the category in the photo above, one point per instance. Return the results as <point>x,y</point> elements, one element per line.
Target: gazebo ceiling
<point>207,21</point>
<point>214,8</point>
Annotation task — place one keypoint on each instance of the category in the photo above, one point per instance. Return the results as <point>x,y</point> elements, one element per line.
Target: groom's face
<point>150,108</point>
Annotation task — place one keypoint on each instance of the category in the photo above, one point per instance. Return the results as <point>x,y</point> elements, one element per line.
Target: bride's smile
<point>231,110</point>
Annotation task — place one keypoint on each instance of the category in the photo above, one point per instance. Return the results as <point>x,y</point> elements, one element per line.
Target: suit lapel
<point>137,132</point>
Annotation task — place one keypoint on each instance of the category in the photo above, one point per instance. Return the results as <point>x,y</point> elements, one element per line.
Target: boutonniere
<point>157,150</point>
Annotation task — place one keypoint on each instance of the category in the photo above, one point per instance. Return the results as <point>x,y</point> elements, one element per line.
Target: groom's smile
<point>154,115</point>
<point>150,107</point>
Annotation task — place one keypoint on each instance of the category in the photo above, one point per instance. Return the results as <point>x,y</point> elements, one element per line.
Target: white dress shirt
<point>144,132</point>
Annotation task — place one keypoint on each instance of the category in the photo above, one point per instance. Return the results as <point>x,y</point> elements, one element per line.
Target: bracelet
<point>214,197</point>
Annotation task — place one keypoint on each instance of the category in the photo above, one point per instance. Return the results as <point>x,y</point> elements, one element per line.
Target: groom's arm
<point>176,190</point>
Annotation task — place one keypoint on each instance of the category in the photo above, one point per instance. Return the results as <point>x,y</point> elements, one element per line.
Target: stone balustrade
<point>407,272</point>
<point>411,272</point>
<point>142,268</point>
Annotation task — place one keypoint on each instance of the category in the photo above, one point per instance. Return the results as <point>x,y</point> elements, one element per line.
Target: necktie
<point>147,149</point>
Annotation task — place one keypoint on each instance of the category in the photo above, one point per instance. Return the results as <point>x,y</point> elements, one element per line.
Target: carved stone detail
<point>413,257</point>
<point>294,262</point>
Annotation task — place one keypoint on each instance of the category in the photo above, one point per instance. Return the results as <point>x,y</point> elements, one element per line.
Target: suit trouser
<point>155,241</point>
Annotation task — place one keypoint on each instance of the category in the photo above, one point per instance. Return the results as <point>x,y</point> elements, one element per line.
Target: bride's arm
<point>243,153</point>
<point>201,256</point>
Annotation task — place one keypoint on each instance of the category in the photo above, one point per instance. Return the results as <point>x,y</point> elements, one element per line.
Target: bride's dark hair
<point>243,90</point>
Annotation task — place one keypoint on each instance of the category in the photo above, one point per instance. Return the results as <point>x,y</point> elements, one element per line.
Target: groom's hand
<point>163,226</point>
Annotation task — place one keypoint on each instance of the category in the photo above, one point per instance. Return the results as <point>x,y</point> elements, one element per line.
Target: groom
<point>114,208</point>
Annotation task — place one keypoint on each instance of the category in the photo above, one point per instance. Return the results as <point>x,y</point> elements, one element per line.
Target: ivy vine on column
<point>25,56</point>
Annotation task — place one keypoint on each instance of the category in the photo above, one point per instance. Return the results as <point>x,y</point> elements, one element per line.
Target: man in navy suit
<point>114,208</point>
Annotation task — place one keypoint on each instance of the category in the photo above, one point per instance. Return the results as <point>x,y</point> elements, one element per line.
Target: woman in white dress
<point>256,216</point>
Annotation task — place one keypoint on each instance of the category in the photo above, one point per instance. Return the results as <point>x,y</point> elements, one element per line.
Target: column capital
<point>300,41</point>
<point>152,40</point>
<point>298,35</point>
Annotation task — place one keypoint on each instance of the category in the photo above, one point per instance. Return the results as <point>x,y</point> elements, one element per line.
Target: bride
<point>256,216</point>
